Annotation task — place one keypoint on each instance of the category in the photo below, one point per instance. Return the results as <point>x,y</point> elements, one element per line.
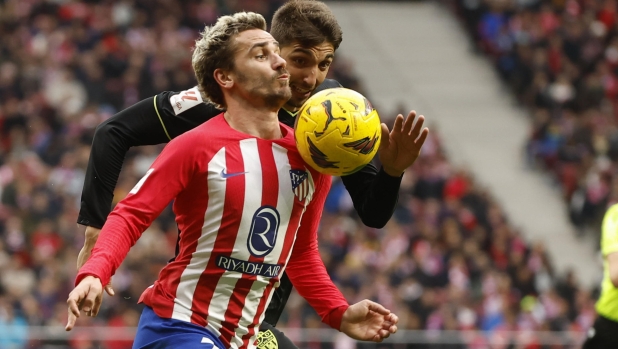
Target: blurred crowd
<point>449,259</point>
<point>560,58</point>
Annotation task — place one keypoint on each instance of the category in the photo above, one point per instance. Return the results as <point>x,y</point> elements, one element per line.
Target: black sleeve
<point>326,84</point>
<point>374,194</point>
<point>151,121</point>
<point>278,301</point>
<point>271,338</point>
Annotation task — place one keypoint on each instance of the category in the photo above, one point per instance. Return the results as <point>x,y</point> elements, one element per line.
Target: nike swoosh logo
<point>229,175</point>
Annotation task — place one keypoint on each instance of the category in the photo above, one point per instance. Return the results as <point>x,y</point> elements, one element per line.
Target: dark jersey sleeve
<point>154,120</point>
<point>374,193</point>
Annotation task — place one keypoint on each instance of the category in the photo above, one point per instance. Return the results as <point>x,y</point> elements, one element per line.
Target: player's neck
<point>291,109</point>
<point>254,121</point>
<point>253,116</point>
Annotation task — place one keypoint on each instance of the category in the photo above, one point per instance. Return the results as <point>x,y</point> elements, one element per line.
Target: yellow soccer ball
<point>337,131</point>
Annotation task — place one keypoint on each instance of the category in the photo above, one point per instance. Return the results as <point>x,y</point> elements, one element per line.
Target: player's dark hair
<point>307,22</point>
<point>213,50</point>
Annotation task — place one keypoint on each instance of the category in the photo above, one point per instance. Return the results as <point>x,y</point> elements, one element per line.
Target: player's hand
<point>400,148</point>
<point>368,321</point>
<point>87,296</point>
<point>91,234</point>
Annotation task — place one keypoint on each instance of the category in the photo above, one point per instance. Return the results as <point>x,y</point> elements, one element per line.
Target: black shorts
<point>602,335</point>
<point>271,338</point>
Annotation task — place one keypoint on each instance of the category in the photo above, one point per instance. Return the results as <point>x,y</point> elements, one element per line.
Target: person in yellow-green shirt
<point>604,332</point>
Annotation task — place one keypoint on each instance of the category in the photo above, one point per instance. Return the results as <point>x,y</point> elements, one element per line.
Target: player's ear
<point>223,78</point>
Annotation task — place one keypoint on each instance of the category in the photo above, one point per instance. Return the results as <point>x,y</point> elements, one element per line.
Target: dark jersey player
<point>309,35</point>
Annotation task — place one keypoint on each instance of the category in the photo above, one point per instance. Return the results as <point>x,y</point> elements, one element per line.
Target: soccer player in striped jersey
<point>242,222</point>
<point>309,35</point>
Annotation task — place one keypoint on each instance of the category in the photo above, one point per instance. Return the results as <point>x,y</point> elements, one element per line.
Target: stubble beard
<point>274,97</point>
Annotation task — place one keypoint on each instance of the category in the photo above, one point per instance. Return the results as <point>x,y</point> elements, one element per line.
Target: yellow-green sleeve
<point>609,238</point>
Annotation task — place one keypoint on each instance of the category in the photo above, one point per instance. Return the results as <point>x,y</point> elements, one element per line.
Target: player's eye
<point>260,56</point>
<point>325,65</point>
<point>299,61</point>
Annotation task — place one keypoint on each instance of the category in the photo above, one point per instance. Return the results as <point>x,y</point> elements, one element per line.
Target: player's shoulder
<point>610,227</point>
<point>326,84</point>
<point>609,236</point>
<point>611,215</point>
<point>180,102</point>
<point>204,132</point>
<point>610,221</point>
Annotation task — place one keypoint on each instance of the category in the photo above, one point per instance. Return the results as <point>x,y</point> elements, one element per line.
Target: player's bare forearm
<point>91,234</point>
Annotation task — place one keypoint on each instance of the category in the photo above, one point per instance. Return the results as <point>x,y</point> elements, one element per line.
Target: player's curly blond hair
<point>214,50</point>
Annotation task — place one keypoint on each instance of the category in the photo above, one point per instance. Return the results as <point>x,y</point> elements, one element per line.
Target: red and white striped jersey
<point>245,208</point>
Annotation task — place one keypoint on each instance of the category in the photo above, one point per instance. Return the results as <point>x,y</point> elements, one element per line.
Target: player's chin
<point>285,94</point>
<point>277,98</point>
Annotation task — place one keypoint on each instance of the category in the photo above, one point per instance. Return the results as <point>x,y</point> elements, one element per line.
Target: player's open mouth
<point>304,93</point>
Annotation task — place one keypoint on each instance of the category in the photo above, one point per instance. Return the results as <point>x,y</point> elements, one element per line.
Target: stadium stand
<point>560,60</point>
<point>448,260</point>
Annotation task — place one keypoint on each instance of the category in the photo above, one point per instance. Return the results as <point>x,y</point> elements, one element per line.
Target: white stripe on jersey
<point>199,260</point>
<point>285,204</point>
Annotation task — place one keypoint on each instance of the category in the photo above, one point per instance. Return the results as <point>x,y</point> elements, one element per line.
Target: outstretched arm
<point>168,176</point>
<point>365,320</point>
<point>154,120</point>
<point>375,193</point>
<point>305,267</point>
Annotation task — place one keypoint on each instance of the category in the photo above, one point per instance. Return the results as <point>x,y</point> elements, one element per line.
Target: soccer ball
<point>337,131</point>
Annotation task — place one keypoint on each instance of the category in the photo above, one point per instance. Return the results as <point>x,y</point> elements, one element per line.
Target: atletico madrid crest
<point>302,184</point>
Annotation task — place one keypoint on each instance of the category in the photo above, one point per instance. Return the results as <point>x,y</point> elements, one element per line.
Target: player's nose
<point>278,62</point>
<point>310,77</point>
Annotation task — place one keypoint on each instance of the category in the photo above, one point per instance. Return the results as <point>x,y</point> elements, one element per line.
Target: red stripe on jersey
<point>285,252</point>
<point>270,194</point>
<point>258,314</point>
<point>226,236</point>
